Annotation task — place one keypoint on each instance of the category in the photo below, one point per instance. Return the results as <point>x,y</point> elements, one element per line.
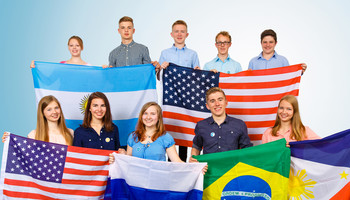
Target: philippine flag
<point>320,168</point>
<point>137,178</point>
<point>127,89</point>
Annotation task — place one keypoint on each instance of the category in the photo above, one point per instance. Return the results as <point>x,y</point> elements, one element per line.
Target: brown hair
<point>80,41</point>
<point>179,22</point>
<point>126,19</point>
<point>268,32</point>
<point>223,33</point>
<point>42,129</point>
<point>107,119</point>
<point>213,90</point>
<point>140,127</point>
<point>298,129</point>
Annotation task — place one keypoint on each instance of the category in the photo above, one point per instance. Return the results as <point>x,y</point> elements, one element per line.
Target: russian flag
<point>127,89</point>
<point>137,178</point>
<point>320,168</point>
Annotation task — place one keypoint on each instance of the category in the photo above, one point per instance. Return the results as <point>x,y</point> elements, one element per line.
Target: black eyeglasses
<point>223,43</point>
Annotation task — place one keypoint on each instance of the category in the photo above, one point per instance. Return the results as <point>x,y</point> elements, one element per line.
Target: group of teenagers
<point>150,140</point>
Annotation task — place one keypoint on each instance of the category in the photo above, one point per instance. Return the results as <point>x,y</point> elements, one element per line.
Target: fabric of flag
<point>127,89</point>
<point>259,172</point>
<point>33,169</point>
<point>252,96</point>
<point>136,178</point>
<point>320,168</point>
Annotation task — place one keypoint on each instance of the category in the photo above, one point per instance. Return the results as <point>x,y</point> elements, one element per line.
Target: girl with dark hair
<point>97,130</point>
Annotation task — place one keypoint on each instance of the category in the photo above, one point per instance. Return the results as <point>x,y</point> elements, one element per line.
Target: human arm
<point>194,152</point>
<point>197,67</point>
<point>156,65</point>
<point>195,63</point>
<point>129,150</point>
<point>146,58</point>
<point>244,140</point>
<point>112,60</point>
<point>310,134</point>
<point>172,154</point>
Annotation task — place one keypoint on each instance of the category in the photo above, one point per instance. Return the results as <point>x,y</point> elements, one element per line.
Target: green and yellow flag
<point>258,173</point>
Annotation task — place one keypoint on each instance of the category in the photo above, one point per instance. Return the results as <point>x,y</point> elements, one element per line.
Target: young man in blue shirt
<point>219,132</point>
<point>269,58</point>
<point>223,62</point>
<point>180,55</point>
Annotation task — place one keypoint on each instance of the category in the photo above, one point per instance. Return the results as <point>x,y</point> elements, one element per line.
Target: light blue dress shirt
<point>184,57</point>
<point>275,61</point>
<point>229,65</point>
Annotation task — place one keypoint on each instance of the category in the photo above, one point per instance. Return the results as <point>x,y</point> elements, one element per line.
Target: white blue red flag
<point>137,178</point>
<point>320,168</point>
<point>33,169</point>
<point>127,89</point>
<point>252,96</point>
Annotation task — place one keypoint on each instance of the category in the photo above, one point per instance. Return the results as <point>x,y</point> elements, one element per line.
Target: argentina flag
<point>127,89</point>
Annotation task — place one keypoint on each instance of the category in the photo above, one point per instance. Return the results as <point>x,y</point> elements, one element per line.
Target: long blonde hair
<point>140,131</point>
<point>298,129</point>
<point>42,129</point>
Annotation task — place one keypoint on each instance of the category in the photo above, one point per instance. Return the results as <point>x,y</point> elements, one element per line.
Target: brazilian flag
<point>260,172</point>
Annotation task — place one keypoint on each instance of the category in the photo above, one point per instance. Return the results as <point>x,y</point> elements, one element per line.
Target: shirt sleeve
<point>197,140</point>
<point>116,139</point>
<point>146,59</point>
<point>168,140</point>
<point>250,66</point>
<point>112,59</point>
<point>239,67</point>
<point>244,140</point>
<point>77,140</point>
<point>265,137</point>
<point>206,66</point>
<point>310,135</point>
<point>161,58</point>
<point>131,141</point>
<point>195,60</point>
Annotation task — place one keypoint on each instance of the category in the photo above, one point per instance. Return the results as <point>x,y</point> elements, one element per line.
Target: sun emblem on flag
<point>83,103</point>
<point>299,187</point>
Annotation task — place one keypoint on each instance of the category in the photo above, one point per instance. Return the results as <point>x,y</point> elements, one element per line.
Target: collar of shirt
<point>176,49</point>
<point>261,56</point>
<point>217,59</point>
<point>212,121</point>
<point>285,133</point>
<point>128,45</point>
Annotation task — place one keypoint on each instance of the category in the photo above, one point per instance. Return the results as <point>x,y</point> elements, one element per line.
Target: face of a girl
<point>98,109</point>
<point>74,47</point>
<point>150,117</point>
<point>285,111</point>
<point>52,112</point>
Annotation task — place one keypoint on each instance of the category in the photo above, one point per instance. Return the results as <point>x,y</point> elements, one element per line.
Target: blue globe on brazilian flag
<point>258,173</point>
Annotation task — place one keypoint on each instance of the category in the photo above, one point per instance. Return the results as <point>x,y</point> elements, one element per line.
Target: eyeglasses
<point>222,43</point>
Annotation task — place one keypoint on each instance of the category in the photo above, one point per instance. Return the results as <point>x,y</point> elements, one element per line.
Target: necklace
<point>148,136</point>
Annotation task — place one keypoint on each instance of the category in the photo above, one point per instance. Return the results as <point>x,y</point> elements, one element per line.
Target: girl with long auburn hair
<point>97,130</point>
<point>51,126</point>
<point>288,123</point>
<point>150,140</point>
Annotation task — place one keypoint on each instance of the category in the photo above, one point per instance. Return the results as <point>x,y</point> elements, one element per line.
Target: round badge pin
<point>108,139</point>
<point>212,134</point>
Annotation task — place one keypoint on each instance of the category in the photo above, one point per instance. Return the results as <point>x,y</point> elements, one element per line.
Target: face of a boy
<point>223,44</point>
<point>217,103</point>
<point>126,30</point>
<point>268,44</point>
<point>179,33</point>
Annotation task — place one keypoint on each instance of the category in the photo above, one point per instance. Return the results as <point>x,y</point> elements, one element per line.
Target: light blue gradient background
<point>314,32</point>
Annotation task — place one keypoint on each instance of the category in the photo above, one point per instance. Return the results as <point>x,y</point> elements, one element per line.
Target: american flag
<point>33,169</point>
<point>252,96</point>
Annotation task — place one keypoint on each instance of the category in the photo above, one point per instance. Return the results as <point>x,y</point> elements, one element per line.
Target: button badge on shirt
<point>108,139</point>
<point>212,134</point>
